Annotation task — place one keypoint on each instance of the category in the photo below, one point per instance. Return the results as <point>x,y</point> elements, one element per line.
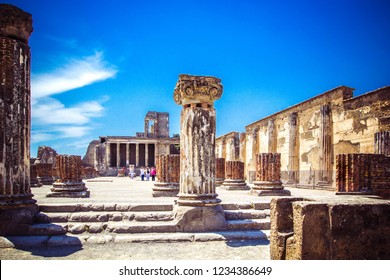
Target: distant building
<point>110,153</point>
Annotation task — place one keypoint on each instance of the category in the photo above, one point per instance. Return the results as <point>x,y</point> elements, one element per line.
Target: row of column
<point>138,158</point>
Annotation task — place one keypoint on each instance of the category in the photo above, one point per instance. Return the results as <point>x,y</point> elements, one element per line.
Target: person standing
<point>142,173</point>
<point>153,173</point>
<point>147,173</point>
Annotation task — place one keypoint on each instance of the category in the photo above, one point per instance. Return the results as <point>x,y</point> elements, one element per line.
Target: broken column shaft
<point>16,204</point>
<point>219,171</point>
<point>168,175</point>
<point>234,176</point>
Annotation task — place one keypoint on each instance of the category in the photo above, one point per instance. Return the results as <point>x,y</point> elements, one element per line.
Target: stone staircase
<point>65,224</point>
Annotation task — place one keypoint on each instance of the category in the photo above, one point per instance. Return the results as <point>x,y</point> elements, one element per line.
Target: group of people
<point>145,173</point>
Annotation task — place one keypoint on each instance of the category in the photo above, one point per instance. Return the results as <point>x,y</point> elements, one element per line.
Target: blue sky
<point>99,66</point>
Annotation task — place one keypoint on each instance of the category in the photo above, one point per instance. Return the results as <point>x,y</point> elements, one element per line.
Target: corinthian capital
<point>197,89</point>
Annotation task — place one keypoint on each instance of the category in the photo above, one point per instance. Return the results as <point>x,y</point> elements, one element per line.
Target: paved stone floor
<point>117,190</point>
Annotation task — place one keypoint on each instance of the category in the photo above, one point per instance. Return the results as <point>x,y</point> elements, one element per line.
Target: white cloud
<point>73,131</point>
<point>76,74</point>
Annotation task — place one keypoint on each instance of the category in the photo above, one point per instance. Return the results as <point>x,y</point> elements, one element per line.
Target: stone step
<point>95,216</point>
<point>246,214</point>
<point>81,239</point>
<point>261,205</point>
<point>249,224</point>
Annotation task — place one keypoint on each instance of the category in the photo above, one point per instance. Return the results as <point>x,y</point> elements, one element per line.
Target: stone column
<point>382,143</point>
<point>45,173</point>
<point>293,155</point>
<point>242,146</point>
<point>325,172</point>
<point>198,206</point>
<point>219,171</point>
<point>34,182</point>
<point>168,175</point>
<point>234,176</point>
<point>118,155</point>
<point>137,155</point>
<point>70,183</point>
<point>108,155</point>
<point>16,204</point>
<point>268,176</point>
<point>272,138</point>
<point>127,154</point>
<point>146,154</point>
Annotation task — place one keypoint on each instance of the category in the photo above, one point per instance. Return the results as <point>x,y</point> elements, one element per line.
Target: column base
<point>35,184</point>
<point>165,189</point>
<point>235,185</point>
<point>46,180</point>
<point>200,219</point>
<point>198,200</point>
<point>323,184</point>
<point>219,181</point>
<point>17,214</point>
<point>269,188</point>
<point>68,189</point>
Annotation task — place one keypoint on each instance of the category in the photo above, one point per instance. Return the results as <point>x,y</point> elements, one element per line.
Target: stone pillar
<point>146,154</point>
<point>45,173</point>
<point>137,155</point>
<point>34,182</point>
<point>168,175</point>
<point>325,172</point>
<point>198,206</point>
<point>118,155</point>
<point>17,207</point>
<point>268,176</point>
<point>382,143</point>
<point>234,176</point>
<point>219,171</point>
<point>293,154</point>
<point>127,154</point>
<point>272,138</point>
<point>108,155</point>
<point>242,146</point>
<point>70,182</point>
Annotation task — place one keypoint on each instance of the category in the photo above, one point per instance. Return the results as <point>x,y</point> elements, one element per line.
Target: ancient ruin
<point>268,175</point>
<point>34,182</point>
<point>17,207</point>
<point>111,153</point>
<point>234,176</point>
<point>198,206</point>
<point>219,171</point>
<point>311,134</point>
<point>168,174</point>
<point>69,183</point>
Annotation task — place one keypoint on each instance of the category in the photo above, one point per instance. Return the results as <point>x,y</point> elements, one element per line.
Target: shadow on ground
<point>242,243</point>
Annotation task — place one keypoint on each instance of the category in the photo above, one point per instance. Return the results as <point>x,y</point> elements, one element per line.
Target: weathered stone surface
<point>168,172</point>
<point>333,229</point>
<point>34,182</point>
<point>70,182</point>
<point>234,176</point>
<point>382,143</point>
<point>219,171</point>
<point>268,176</point>
<point>15,192</point>
<point>45,173</point>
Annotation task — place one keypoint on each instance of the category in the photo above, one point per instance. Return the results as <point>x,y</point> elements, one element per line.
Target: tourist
<point>147,173</point>
<point>132,172</point>
<point>153,173</point>
<point>142,173</point>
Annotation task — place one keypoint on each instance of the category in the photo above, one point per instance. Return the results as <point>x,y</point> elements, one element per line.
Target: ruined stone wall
<point>310,135</point>
<point>329,229</point>
<point>228,146</point>
<point>89,158</point>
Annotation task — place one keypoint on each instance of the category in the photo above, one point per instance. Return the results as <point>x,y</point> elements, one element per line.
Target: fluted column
<point>325,172</point>
<point>382,143</point>
<point>34,182</point>
<point>234,176</point>
<point>168,175</point>
<point>219,171</point>
<point>198,206</point>
<point>15,119</point>
<point>70,182</point>
<point>293,155</point>
<point>268,175</point>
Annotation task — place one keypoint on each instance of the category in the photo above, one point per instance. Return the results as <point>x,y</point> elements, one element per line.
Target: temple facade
<point>110,153</point>
<point>311,134</point>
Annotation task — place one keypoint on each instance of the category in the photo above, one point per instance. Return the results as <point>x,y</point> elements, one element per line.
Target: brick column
<point>16,204</point>
<point>45,173</point>
<point>234,176</point>
<point>34,182</point>
<point>70,182</point>
<point>168,175</point>
<point>219,171</point>
<point>382,143</point>
<point>268,175</point>
<point>198,205</point>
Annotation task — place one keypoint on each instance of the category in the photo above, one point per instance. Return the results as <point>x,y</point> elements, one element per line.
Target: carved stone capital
<point>197,89</point>
<point>15,23</point>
